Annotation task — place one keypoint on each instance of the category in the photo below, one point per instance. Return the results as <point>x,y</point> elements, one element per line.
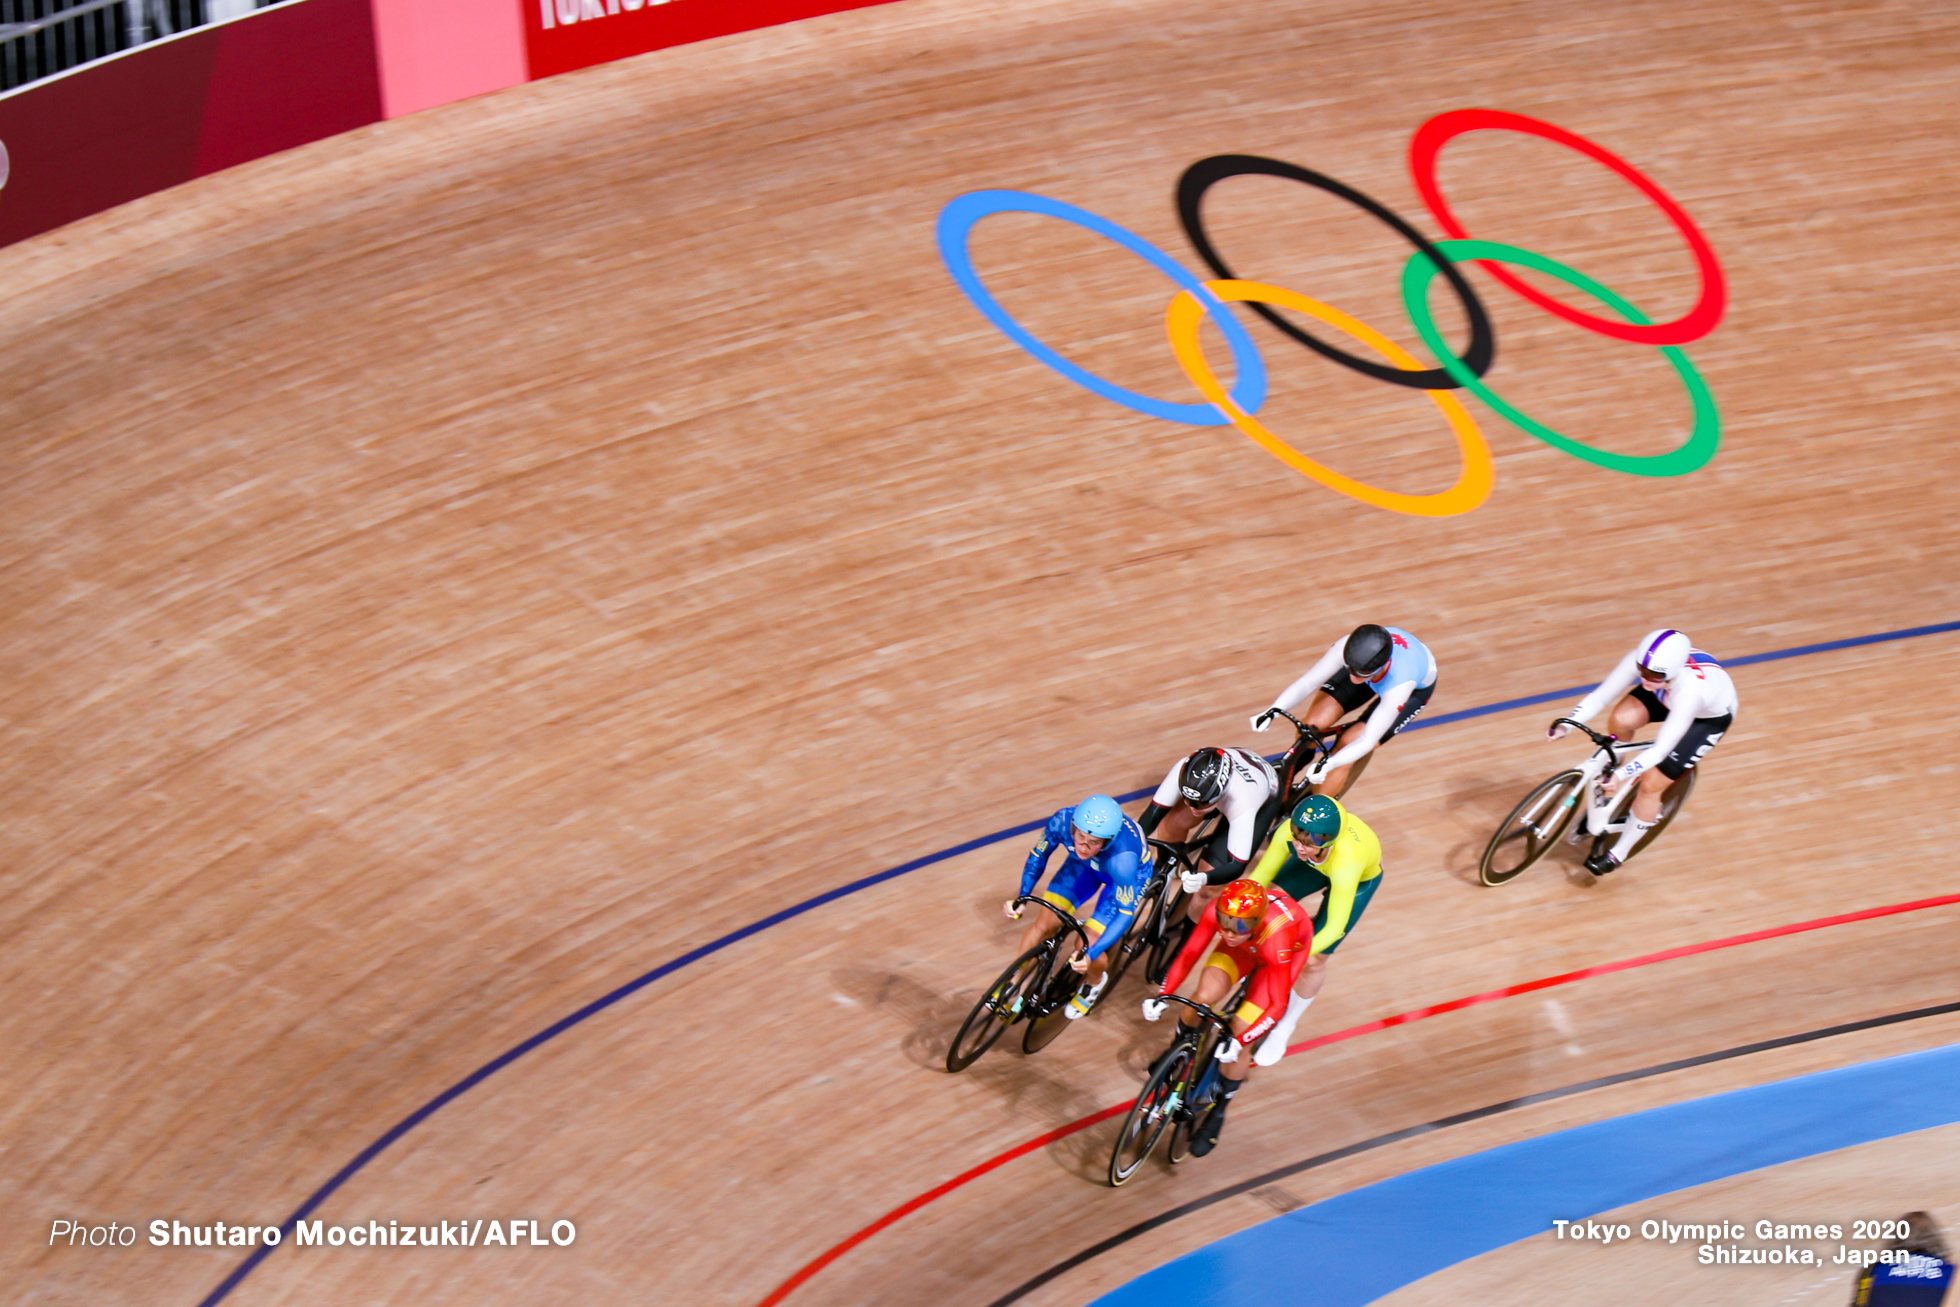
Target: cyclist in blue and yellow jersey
<point>1106,853</point>
<point>1384,672</point>
<point>1326,849</point>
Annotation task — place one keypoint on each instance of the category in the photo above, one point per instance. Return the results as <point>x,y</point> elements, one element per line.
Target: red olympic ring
<point>1696,323</point>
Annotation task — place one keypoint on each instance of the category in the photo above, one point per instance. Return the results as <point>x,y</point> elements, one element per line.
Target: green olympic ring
<point>1702,440</point>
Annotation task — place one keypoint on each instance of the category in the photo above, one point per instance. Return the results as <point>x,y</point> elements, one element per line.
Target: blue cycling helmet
<point>1098,817</point>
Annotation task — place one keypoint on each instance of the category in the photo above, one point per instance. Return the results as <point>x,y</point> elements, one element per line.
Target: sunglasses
<point>1236,925</point>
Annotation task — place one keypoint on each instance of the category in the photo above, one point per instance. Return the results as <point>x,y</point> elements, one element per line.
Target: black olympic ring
<point>1205,173</point>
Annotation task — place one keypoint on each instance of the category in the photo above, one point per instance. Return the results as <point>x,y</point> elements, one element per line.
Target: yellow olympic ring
<point>1479,473</point>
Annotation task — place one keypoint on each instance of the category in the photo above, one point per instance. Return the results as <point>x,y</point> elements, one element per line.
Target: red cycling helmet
<point>1241,905</point>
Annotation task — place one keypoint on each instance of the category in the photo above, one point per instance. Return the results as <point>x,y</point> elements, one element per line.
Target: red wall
<point>560,35</point>
<point>163,114</point>
<point>179,108</point>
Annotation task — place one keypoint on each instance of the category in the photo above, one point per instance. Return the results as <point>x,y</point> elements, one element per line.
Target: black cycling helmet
<point>1368,649</point>
<point>1205,774</point>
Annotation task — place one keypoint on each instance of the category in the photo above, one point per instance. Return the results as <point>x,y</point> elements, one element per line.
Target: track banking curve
<point>1277,1174</point>
<point>811,1268</point>
<point>631,987</point>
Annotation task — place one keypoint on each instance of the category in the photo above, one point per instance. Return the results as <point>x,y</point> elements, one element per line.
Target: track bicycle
<point>1160,935</point>
<point>1535,825</point>
<point>1179,1093</point>
<point>1033,991</point>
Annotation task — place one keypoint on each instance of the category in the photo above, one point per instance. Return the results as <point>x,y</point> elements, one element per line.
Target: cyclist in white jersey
<point>1664,679</point>
<point>1382,670</point>
<point>1236,783</point>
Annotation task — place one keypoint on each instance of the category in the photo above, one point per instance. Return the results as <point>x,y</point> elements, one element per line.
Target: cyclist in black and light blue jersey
<point>1106,853</point>
<point>1384,672</point>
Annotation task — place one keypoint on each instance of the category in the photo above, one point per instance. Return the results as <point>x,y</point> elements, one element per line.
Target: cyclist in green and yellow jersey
<point>1324,848</point>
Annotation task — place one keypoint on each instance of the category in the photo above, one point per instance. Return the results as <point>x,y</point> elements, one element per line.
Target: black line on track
<point>1442,1123</point>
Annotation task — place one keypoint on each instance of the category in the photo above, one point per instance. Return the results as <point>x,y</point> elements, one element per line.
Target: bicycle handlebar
<point>1603,741</point>
<point>1181,854</point>
<point>1068,919</point>
<point>1195,1006</point>
<point>1305,732</point>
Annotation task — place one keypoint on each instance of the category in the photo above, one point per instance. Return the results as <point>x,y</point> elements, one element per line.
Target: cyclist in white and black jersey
<point>1236,783</point>
<point>1664,679</point>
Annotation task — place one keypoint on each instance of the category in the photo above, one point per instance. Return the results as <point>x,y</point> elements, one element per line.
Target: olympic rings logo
<point>1196,300</point>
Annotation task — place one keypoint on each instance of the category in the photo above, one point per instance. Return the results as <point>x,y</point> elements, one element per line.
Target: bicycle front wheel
<point>997,1009</point>
<point>1049,1001</point>
<point>1148,1115</point>
<point>1532,828</point>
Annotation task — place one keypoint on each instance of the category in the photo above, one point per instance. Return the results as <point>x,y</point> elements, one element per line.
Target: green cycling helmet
<point>1318,818</point>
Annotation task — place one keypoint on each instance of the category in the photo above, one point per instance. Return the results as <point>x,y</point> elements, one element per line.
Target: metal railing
<point>39,38</point>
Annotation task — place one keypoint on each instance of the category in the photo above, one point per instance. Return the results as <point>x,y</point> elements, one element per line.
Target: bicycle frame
<point>1605,814</point>
<point>1196,1037</point>
<point>1069,923</point>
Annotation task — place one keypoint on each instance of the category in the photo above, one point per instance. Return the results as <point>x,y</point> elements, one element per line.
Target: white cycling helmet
<point>1664,653</point>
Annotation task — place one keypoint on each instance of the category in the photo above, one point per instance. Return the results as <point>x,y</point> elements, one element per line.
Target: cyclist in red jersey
<point>1261,933</point>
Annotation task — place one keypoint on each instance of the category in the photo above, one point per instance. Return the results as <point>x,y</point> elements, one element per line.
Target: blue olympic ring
<point>956,221</point>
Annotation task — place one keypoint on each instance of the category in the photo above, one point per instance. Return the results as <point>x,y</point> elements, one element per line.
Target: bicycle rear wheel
<point>1148,1115</point>
<point>1532,828</point>
<point>998,1008</point>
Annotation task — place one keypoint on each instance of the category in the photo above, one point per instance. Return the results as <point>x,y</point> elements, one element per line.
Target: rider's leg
<point>1629,716</point>
<point>1312,976</point>
<point>1231,1079</point>
<point>1215,980</point>
<point>1044,923</point>
<point>1354,770</point>
<point>1336,781</point>
<point>1647,800</point>
<point>1323,710</point>
<point>1177,824</point>
<point>1646,810</point>
<point>1093,979</point>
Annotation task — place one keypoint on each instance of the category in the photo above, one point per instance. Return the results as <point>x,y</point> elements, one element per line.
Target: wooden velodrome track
<point>457,568</point>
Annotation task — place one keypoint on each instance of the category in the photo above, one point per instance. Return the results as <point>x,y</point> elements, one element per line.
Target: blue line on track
<point>1367,1243</point>
<point>633,986</point>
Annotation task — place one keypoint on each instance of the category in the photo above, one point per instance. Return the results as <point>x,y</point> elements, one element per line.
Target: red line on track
<point>898,1213</point>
